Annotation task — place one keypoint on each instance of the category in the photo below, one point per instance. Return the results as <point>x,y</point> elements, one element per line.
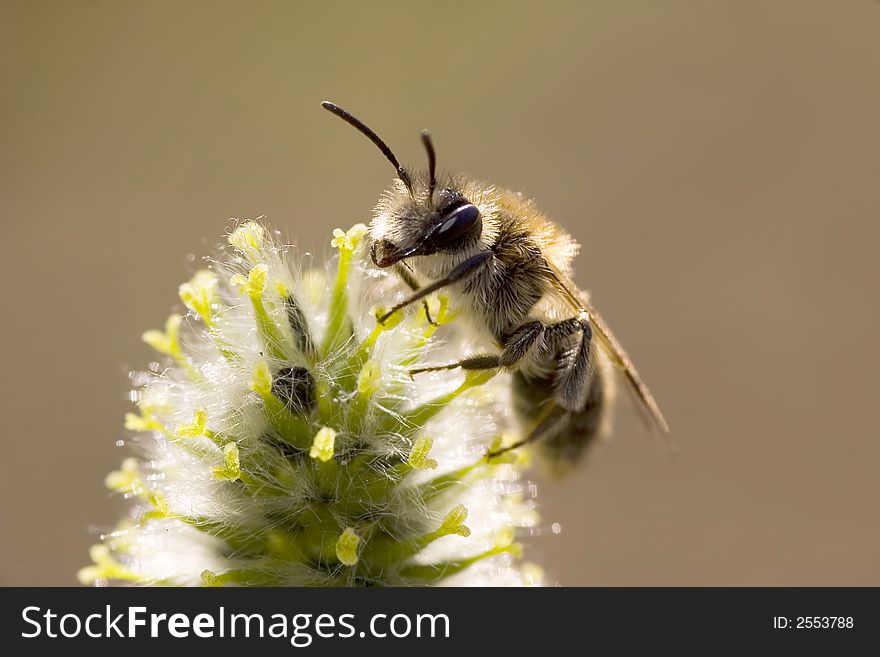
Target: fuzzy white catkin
<point>269,458</point>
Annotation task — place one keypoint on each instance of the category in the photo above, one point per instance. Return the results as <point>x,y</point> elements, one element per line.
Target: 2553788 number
<point>823,622</point>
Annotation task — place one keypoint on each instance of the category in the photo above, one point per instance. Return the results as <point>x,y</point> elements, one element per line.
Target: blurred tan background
<point>717,160</point>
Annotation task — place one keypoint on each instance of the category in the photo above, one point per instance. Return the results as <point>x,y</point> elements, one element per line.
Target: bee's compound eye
<point>458,223</point>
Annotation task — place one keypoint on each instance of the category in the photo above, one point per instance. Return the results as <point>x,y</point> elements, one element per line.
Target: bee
<point>508,269</point>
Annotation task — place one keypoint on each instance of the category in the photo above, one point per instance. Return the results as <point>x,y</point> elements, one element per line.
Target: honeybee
<point>508,268</point>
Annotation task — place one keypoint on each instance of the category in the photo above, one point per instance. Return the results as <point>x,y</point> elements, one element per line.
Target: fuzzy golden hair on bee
<point>399,218</point>
<point>508,269</point>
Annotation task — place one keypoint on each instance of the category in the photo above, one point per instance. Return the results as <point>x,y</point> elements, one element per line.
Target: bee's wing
<point>612,347</point>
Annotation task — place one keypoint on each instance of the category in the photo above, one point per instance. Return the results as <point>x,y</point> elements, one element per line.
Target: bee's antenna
<point>432,164</point>
<point>361,127</point>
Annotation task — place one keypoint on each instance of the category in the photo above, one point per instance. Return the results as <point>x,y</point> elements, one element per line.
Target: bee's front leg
<point>407,277</point>
<point>464,270</point>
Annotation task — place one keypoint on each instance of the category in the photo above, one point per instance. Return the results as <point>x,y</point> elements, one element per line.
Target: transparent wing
<point>612,347</point>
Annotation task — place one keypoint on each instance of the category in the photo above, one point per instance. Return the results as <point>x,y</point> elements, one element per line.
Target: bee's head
<point>416,218</point>
<point>423,224</point>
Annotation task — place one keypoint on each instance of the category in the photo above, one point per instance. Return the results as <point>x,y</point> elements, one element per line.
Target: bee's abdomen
<point>570,443</point>
<point>570,438</point>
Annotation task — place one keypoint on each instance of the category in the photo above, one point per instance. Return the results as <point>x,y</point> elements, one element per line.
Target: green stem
<point>432,573</point>
<point>338,324</point>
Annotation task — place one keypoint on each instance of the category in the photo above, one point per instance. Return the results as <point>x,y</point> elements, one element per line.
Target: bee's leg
<point>428,313</point>
<point>516,347</point>
<point>481,362</point>
<point>407,277</point>
<point>464,270</point>
<point>548,425</point>
<point>521,341</point>
<point>572,385</point>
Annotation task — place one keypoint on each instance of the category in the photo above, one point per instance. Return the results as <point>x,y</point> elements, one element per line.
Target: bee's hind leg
<point>548,425</point>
